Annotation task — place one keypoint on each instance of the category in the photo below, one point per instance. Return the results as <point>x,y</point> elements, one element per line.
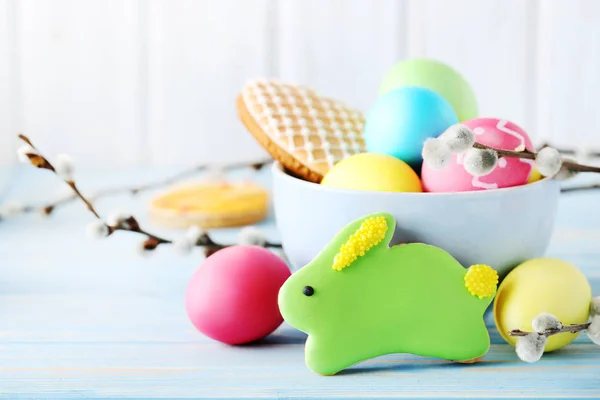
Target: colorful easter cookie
<point>305,132</point>
<point>360,299</point>
<point>494,132</point>
<point>217,204</point>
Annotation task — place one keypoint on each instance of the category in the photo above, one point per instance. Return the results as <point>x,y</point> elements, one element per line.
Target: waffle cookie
<point>210,205</point>
<point>305,132</point>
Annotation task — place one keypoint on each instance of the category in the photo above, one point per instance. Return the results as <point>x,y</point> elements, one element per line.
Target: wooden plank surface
<point>568,77</point>
<point>134,82</point>
<point>200,55</point>
<point>90,319</point>
<point>341,48</point>
<point>490,43</point>
<point>8,96</point>
<point>77,77</point>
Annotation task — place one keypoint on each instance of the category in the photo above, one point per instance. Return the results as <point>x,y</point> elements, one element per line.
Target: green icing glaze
<point>409,298</point>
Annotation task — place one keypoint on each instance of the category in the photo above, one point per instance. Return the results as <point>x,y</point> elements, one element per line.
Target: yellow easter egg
<point>373,172</point>
<point>535,175</point>
<point>542,285</point>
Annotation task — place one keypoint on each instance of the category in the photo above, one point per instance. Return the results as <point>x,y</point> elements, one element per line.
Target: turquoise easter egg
<point>401,120</point>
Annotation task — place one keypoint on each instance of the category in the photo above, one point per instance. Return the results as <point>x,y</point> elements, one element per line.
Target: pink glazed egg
<point>232,297</point>
<point>494,132</point>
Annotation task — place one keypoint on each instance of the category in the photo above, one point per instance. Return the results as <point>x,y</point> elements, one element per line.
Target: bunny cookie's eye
<point>308,290</point>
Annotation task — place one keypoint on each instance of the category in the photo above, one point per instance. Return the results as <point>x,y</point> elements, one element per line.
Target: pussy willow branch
<point>129,224</point>
<point>48,208</point>
<point>580,188</point>
<point>550,332</point>
<point>571,152</point>
<point>530,155</point>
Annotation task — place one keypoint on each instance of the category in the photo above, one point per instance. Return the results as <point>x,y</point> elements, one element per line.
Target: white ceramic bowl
<point>501,227</point>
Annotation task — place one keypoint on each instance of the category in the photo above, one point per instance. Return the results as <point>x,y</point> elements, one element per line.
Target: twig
<point>80,196</point>
<point>130,224</point>
<point>568,164</point>
<point>530,155</point>
<point>190,172</point>
<point>48,208</point>
<point>39,161</point>
<point>531,346</point>
<point>570,152</point>
<point>580,188</point>
<point>550,332</point>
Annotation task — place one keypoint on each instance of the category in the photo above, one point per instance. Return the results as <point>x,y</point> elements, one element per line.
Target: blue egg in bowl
<point>401,120</point>
<point>499,227</point>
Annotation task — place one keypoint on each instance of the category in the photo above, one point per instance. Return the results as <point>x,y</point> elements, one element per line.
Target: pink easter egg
<point>232,297</point>
<point>510,171</point>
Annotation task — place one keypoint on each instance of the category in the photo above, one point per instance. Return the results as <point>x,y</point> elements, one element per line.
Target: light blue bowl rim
<point>277,169</point>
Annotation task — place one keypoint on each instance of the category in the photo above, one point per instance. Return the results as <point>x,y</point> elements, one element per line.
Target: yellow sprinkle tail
<point>371,232</point>
<point>481,280</point>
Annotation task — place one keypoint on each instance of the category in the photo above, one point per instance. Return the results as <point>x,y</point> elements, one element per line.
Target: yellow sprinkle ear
<point>371,232</point>
<point>481,280</point>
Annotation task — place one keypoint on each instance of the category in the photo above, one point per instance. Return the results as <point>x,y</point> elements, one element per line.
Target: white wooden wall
<point>132,82</point>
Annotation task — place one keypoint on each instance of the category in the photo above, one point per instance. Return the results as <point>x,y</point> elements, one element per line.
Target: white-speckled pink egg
<point>498,133</point>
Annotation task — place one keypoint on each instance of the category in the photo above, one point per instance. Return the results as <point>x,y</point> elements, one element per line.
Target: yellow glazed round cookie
<point>210,205</point>
<point>305,132</point>
<point>373,172</point>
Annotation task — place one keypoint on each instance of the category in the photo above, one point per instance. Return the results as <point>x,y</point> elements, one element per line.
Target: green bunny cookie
<point>360,299</point>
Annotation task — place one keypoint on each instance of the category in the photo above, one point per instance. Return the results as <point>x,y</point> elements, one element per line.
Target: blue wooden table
<point>91,319</point>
